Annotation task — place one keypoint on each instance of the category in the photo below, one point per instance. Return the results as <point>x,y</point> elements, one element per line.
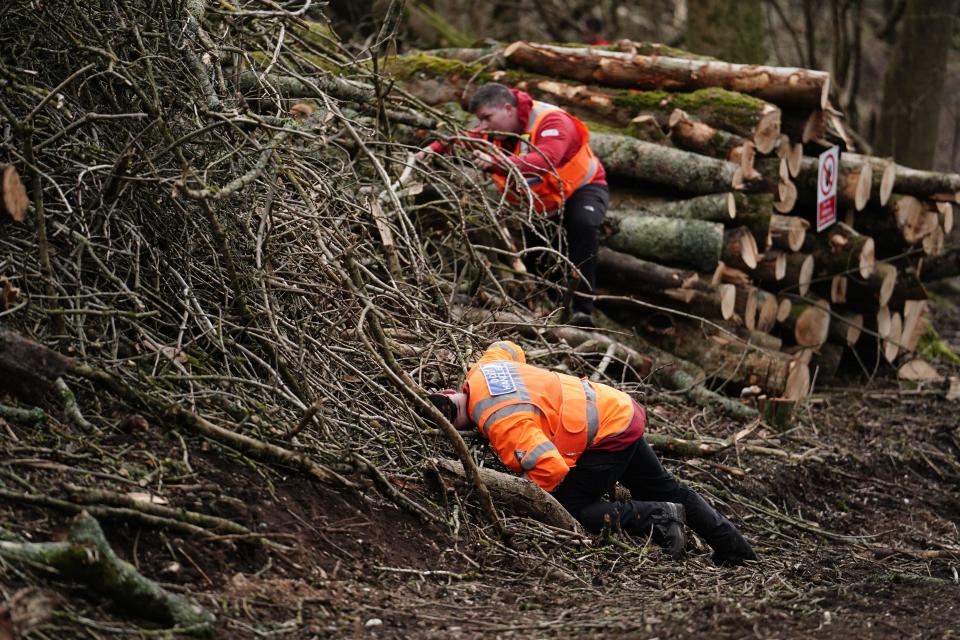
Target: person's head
<point>453,405</point>
<point>496,108</point>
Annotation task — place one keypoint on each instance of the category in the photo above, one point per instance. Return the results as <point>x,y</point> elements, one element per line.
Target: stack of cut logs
<point>714,174</point>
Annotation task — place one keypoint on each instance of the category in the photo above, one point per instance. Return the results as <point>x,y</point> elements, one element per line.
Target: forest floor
<point>859,539</point>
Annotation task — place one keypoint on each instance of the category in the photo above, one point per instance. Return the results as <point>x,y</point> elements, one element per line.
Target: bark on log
<point>783,85</point>
<point>846,327</point>
<point>513,493</point>
<point>730,359</point>
<point>841,250</point>
<point>754,119</point>
<point>653,163</point>
<point>579,338</point>
<point>692,134</point>
<point>903,222</point>
<point>945,265</point>
<point>678,374</point>
<point>667,240</point>
<point>755,211</point>
<point>718,207</point>
<point>809,322</point>
<point>926,183</point>
<point>86,557</point>
<point>26,368</point>
<point>772,266</point>
<point>874,290</point>
<point>799,274</point>
<point>683,289</point>
<point>788,232</point>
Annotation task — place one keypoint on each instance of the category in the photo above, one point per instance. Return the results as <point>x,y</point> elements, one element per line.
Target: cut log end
<point>732,205</point>
<point>812,325</point>
<point>806,276</point>
<point>15,199</point>
<point>891,344</point>
<point>884,322</point>
<point>838,289</point>
<point>868,258</point>
<point>933,242</point>
<point>798,381</point>
<point>887,284</point>
<point>728,300</point>
<point>946,216</point>
<point>795,159</point>
<point>887,181</point>
<point>854,329</point>
<point>767,131</point>
<point>864,185</point>
<point>786,196</point>
<point>784,306</point>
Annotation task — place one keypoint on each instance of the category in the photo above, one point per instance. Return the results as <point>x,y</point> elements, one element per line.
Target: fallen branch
<point>87,558</point>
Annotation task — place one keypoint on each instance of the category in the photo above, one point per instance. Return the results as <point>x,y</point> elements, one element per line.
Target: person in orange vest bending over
<point>550,150</point>
<point>576,439</point>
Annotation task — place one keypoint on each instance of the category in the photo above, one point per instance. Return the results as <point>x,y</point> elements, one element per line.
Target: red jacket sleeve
<point>556,142</point>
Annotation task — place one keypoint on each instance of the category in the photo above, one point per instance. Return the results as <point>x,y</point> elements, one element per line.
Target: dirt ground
<point>858,538</point>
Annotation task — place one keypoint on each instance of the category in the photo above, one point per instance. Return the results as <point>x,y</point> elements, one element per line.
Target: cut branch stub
<point>15,199</point>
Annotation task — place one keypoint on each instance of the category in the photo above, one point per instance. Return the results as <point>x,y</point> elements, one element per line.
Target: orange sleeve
<point>524,449</point>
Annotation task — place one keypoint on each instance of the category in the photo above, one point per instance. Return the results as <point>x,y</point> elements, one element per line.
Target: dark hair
<point>446,406</point>
<point>492,94</point>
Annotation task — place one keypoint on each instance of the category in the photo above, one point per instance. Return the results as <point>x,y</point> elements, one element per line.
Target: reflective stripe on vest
<point>530,460</point>
<point>509,410</point>
<point>579,419</point>
<point>506,347</point>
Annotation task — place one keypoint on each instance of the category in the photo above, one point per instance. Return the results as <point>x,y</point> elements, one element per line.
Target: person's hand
<point>483,160</point>
<point>424,154</point>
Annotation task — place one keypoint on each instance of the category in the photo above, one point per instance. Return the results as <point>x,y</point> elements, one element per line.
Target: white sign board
<point>828,174</point>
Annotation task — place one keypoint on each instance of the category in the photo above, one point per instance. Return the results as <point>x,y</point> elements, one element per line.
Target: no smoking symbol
<point>826,176</point>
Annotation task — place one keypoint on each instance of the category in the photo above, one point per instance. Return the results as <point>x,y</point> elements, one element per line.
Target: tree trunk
<point>913,86</point>
<point>786,85</point>
<point>717,207</point>
<point>689,172</point>
<point>727,29</point>
<point>667,240</point>
<point>926,183</point>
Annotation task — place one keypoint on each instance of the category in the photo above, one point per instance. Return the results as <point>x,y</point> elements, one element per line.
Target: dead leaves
<point>9,294</point>
<point>15,199</point>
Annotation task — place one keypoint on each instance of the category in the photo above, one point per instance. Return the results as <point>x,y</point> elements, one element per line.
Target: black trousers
<point>638,469</point>
<point>582,216</point>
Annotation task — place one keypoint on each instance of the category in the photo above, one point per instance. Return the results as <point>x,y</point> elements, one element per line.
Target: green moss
<point>932,347</point>
<point>315,33</point>
<point>407,66</point>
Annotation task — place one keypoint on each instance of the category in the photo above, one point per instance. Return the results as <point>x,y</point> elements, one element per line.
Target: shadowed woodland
<point>226,289</point>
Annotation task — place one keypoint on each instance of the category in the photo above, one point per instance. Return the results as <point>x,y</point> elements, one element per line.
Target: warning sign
<point>828,174</point>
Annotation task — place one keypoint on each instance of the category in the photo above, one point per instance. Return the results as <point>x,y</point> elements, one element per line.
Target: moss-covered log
<point>85,557</point>
<point>682,170</point>
<point>667,240</point>
<point>715,207</point>
<point>690,133</point>
<point>783,85</point>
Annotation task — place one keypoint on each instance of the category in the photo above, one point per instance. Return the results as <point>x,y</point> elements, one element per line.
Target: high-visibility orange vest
<point>540,422</point>
<point>557,184</point>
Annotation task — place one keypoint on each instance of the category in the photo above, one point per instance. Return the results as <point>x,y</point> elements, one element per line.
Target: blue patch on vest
<point>499,380</point>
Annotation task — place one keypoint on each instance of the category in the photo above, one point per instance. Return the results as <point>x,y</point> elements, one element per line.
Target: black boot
<point>729,546</point>
<point>662,520</point>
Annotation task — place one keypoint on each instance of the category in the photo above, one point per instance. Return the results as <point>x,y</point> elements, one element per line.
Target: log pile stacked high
<point>713,174</point>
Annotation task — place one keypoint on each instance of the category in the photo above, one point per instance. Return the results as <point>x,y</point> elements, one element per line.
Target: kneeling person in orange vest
<point>576,439</point>
<point>550,149</point>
